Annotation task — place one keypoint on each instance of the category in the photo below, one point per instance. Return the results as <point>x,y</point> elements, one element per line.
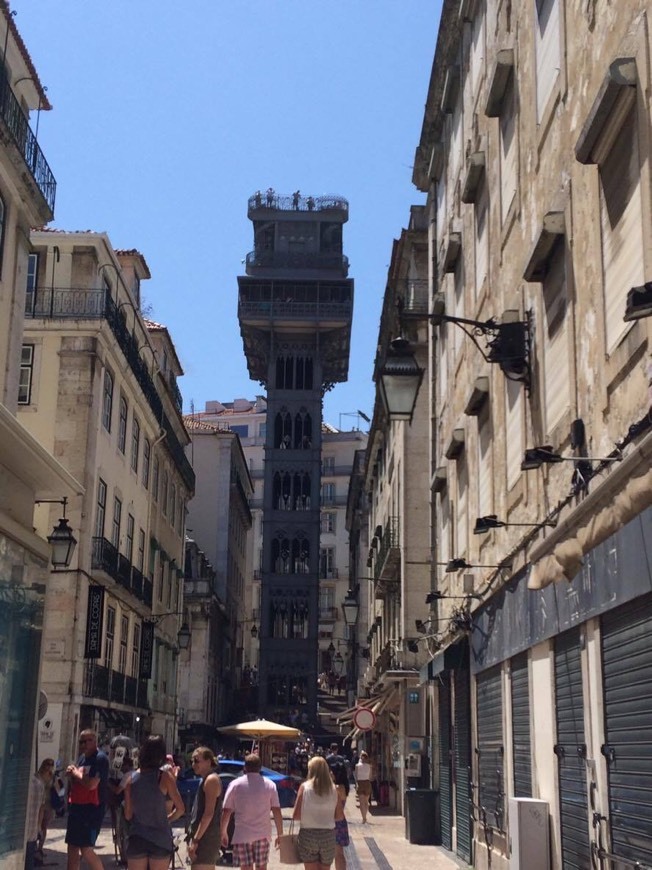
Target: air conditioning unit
<point>529,834</point>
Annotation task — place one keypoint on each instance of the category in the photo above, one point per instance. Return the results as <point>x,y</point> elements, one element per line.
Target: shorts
<point>245,854</point>
<point>364,788</point>
<point>84,823</point>
<point>139,847</point>
<point>342,833</point>
<point>208,848</point>
<point>317,845</point>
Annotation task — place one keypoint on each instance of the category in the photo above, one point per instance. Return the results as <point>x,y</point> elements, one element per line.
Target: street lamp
<point>183,637</point>
<point>350,608</point>
<point>62,541</point>
<point>400,379</point>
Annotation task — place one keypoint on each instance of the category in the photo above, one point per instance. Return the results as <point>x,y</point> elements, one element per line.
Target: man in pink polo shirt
<point>250,798</point>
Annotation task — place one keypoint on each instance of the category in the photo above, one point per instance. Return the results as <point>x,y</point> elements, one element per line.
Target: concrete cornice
<point>29,461</point>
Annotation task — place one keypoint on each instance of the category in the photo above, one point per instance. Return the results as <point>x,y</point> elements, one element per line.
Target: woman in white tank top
<point>317,808</point>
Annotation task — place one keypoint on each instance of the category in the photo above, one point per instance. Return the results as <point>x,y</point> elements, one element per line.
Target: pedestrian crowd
<point>331,682</point>
<point>144,801</point>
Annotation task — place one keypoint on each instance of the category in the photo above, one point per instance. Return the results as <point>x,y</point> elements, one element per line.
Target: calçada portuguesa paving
<point>378,845</point>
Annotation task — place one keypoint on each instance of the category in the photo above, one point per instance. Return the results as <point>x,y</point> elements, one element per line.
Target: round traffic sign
<point>364,719</point>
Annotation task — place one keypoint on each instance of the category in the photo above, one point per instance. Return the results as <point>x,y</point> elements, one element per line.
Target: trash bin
<point>422,819</point>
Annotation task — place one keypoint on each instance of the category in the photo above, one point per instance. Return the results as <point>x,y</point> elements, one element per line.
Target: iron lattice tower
<point>295,307</point>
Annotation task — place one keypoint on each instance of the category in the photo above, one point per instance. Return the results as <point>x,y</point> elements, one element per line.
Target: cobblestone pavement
<point>378,845</point>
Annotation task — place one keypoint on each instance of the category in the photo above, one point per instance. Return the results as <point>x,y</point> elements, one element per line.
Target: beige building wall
<point>88,405</point>
<point>28,471</point>
<point>534,156</point>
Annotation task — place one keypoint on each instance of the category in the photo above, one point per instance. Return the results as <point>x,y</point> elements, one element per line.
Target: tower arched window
<point>283,429</point>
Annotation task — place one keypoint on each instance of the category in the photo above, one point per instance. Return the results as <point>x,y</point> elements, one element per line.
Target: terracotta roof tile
<point>192,424</point>
<point>9,18</point>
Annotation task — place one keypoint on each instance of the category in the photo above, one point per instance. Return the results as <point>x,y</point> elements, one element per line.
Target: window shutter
<point>456,138</point>
<point>508,150</point>
<point>514,430</point>
<point>462,502</point>
<point>477,49</point>
<point>458,290</point>
<point>556,368</point>
<point>622,229</point>
<point>547,48</point>
<point>484,461</point>
<point>481,211</point>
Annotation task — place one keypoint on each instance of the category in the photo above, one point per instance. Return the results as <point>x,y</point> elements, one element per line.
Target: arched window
<point>281,554</point>
<point>283,429</point>
<point>303,430</point>
<point>280,372</point>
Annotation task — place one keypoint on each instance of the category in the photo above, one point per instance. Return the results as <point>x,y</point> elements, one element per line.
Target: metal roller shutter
<point>463,762</point>
<point>627,673</point>
<point>570,750</point>
<point>491,750</point>
<point>521,742</point>
<point>445,784</point>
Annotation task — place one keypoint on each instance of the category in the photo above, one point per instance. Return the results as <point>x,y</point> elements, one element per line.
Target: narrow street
<point>379,844</point>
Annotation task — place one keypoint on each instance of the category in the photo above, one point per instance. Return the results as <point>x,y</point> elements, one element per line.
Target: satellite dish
<point>42,704</point>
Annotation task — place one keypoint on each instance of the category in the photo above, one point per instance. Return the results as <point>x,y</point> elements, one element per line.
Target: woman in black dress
<point>204,843</point>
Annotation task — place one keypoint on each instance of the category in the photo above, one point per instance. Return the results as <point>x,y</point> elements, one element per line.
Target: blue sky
<point>167,116</point>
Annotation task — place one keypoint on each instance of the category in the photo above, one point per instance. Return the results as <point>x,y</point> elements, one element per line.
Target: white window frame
<point>26,374</point>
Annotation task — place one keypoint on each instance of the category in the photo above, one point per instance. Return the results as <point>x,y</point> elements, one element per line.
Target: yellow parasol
<point>260,729</point>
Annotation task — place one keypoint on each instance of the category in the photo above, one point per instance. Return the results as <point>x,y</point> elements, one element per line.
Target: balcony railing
<point>388,550</point>
<point>85,304</point>
<point>18,126</point>
<point>291,202</point>
<point>414,294</point>
<point>328,614</point>
<point>330,500</point>
<point>105,557</point>
<point>292,309</point>
<point>96,681</point>
<point>336,471</point>
<point>297,260</point>
<point>114,686</point>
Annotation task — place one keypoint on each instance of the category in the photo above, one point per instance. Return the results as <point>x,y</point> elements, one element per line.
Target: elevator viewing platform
<point>296,279</point>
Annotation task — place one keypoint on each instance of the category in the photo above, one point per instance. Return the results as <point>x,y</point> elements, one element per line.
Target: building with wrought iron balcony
<point>98,386</point>
<point>33,482</point>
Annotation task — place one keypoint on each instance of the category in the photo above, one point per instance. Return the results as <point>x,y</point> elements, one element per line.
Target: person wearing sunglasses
<point>87,797</point>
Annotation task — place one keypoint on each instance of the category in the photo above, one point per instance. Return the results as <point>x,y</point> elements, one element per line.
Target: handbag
<point>288,847</point>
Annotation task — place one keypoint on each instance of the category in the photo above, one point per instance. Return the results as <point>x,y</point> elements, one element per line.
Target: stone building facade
<point>389,523</point>
<point>28,470</point>
<point>100,392</point>
<point>220,520</point>
<point>534,156</point>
